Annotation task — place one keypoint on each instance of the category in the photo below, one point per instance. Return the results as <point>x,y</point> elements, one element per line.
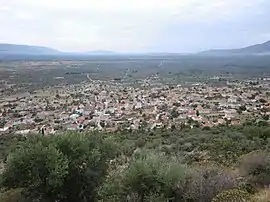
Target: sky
<point>181,26</point>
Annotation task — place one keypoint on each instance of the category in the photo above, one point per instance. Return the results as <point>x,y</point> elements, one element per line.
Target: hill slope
<point>25,49</point>
<point>258,49</point>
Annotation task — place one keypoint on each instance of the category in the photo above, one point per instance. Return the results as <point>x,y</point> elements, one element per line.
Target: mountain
<point>14,49</point>
<point>258,49</point>
<point>100,52</point>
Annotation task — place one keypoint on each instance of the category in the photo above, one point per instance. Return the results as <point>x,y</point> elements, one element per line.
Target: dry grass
<point>262,196</point>
<point>13,195</point>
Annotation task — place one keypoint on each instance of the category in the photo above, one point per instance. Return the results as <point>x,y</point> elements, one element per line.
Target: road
<point>88,77</point>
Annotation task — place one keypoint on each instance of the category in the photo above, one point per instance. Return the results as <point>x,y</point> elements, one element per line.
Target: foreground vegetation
<point>190,165</point>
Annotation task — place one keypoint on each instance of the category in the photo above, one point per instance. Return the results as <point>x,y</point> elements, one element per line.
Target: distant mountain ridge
<point>26,49</point>
<point>100,52</point>
<point>258,49</point>
<point>14,49</point>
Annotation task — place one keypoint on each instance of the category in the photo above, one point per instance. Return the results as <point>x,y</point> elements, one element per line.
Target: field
<point>20,75</point>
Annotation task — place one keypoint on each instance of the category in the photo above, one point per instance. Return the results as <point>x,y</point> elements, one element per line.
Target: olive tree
<point>67,167</point>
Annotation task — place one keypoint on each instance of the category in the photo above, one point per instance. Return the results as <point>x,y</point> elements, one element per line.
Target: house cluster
<point>109,106</point>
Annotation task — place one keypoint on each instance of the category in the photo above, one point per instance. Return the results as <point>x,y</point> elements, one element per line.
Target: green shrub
<point>66,167</point>
<point>148,176</point>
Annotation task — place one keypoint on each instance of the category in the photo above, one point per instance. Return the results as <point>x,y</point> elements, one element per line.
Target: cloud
<point>134,25</point>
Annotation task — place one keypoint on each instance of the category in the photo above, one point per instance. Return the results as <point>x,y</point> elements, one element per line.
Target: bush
<point>206,182</point>
<point>164,178</point>
<point>67,167</point>
<point>7,142</point>
<point>152,176</point>
<point>255,167</point>
<point>224,150</point>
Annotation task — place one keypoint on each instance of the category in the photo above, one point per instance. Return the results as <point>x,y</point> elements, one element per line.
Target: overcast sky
<point>135,25</point>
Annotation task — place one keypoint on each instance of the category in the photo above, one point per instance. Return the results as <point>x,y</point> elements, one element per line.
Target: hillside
<point>14,49</point>
<point>258,49</point>
<point>219,164</point>
<point>8,49</point>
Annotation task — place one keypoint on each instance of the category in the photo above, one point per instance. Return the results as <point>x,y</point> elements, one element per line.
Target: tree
<point>2,123</point>
<point>174,113</point>
<point>66,167</point>
<point>242,108</point>
<point>173,127</point>
<point>262,100</point>
<point>40,170</point>
<point>176,104</point>
<point>265,117</point>
<point>239,111</point>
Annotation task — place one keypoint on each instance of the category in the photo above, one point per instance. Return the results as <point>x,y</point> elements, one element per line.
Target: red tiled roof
<point>80,119</point>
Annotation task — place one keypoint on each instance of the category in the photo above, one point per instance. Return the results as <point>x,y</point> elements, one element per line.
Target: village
<point>110,107</point>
